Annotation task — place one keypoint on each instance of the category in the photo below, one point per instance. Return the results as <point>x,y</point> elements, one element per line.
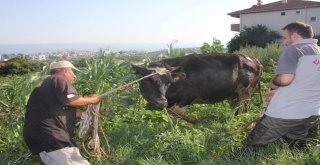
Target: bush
<point>268,56</point>
<point>20,66</point>
<point>258,36</point>
<point>215,47</point>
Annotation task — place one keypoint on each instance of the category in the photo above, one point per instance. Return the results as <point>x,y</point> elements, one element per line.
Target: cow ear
<point>139,70</point>
<point>177,76</point>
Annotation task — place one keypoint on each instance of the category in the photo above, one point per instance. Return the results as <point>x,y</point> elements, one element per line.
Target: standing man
<point>51,115</point>
<point>295,107</point>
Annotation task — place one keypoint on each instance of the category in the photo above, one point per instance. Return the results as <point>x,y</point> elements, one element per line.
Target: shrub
<point>20,65</point>
<point>268,56</point>
<point>215,47</point>
<point>259,36</point>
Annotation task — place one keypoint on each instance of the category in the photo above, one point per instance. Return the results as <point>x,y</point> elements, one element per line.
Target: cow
<point>199,79</point>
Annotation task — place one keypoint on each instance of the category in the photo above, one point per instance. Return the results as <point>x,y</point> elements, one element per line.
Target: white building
<point>42,57</point>
<point>278,14</point>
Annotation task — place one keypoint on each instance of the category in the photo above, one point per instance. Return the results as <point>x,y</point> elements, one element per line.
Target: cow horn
<point>159,70</point>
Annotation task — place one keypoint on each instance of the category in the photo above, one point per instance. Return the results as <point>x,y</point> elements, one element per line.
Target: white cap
<point>62,64</point>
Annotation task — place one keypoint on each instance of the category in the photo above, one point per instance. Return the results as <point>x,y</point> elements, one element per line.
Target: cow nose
<point>157,104</point>
<point>162,102</point>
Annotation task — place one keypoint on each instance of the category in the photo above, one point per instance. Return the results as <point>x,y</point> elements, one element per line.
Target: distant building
<point>278,14</point>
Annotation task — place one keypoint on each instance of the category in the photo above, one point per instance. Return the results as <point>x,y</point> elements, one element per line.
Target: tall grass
<point>268,56</point>
<point>15,91</point>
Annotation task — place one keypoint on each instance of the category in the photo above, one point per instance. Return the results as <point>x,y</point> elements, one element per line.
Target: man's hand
<point>95,99</point>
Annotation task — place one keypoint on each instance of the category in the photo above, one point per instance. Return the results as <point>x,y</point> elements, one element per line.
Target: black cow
<point>199,79</point>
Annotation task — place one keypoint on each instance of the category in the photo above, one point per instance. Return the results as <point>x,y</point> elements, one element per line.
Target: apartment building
<point>277,14</point>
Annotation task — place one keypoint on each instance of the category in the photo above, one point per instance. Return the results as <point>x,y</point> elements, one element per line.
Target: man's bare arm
<point>281,80</point>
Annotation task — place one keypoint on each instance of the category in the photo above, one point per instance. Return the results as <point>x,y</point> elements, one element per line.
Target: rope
<point>90,119</point>
<point>157,70</point>
<point>252,124</point>
<point>126,85</point>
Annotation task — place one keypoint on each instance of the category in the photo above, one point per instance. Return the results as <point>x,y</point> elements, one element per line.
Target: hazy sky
<point>117,21</point>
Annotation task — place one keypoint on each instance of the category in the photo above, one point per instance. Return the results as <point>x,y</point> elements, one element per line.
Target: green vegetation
<point>258,36</point>
<point>174,52</point>
<point>215,47</point>
<point>20,65</point>
<point>140,136</point>
<point>268,56</point>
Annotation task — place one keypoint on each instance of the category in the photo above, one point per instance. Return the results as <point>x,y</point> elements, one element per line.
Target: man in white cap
<point>51,116</point>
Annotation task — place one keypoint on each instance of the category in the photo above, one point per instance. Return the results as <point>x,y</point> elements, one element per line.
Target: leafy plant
<point>20,65</point>
<point>215,47</point>
<point>258,36</point>
<point>172,51</point>
<point>268,56</point>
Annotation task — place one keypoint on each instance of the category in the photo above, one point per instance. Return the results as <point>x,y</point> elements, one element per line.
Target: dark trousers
<point>269,129</point>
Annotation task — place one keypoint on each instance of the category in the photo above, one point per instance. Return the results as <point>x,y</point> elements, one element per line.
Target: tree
<point>258,36</point>
<point>174,52</point>
<point>205,48</point>
<point>215,47</point>
<point>21,65</point>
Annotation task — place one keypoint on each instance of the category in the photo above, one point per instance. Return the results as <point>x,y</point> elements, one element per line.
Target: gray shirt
<point>300,99</point>
<point>288,61</point>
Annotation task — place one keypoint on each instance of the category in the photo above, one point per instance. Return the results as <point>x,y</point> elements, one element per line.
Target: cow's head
<point>154,88</point>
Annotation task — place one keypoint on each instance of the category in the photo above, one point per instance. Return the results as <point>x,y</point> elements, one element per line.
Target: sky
<point>118,21</point>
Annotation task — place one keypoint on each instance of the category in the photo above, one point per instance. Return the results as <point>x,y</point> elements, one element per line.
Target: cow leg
<point>178,112</point>
<point>233,100</point>
<point>242,108</point>
<point>236,103</point>
<point>244,96</point>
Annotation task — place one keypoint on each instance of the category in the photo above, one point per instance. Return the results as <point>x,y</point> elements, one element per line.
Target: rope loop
<point>90,119</point>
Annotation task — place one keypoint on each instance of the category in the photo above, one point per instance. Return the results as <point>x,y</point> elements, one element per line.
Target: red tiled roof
<point>277,6</point>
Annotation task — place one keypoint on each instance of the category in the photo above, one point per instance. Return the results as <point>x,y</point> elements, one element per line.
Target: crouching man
<point>295,107</point>
<point>51,116</point>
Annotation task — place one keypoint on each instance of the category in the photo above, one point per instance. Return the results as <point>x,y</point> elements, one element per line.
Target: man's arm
<point>281,80</point>
<point>94,99</point>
